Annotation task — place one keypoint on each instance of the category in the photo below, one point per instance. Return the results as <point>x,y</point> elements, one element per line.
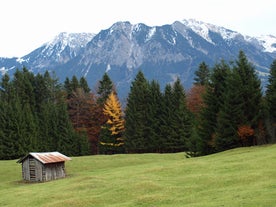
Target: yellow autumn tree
<point>112,131</point>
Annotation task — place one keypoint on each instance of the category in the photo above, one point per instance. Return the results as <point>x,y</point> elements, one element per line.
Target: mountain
<point>50,55</point>
<point>162,52</point>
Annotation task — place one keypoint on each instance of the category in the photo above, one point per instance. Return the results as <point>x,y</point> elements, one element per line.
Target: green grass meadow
<point>240,177</point>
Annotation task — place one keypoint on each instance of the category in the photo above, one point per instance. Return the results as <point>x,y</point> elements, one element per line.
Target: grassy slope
<point>240,177</point>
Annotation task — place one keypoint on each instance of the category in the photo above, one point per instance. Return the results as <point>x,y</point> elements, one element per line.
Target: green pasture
<point>244,177</point>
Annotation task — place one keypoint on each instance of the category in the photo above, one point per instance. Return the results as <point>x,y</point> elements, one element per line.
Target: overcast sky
<point>26,24</point>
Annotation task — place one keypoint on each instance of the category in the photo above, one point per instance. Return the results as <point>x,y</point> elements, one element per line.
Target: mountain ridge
<point>161,52</point>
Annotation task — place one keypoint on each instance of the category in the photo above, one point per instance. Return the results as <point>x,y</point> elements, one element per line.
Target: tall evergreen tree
<point>230,115</point>
<point>181,120</point>
<point>152,128</point>
<point>241,106</point>
<point>271,101</point>
<point>4,83</point>
<point>74,83</point>
<point>84,85</point>
<point>251,90</point>
<point>104,89</point>
<point>166,117</point>
<point>213,99</point>
<point>67,87</point>
<point>24,87</point>
<point>136,115</point>
<point>175,119</point>
<point>202,75</point>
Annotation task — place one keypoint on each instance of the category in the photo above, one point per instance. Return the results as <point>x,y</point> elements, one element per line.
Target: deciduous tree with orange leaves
<point>85,115</point>
<point>111,139</point>
<point>245,133</point>
<point>194,98</point>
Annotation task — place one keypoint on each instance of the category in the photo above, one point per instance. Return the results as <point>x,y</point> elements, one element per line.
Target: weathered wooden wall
<point>54,171</point>
<point>35,171</point>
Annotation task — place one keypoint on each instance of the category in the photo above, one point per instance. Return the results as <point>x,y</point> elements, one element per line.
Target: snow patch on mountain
<point>202,29</point>
<point>108,68</point>
<point>151,33</point>
<point>199,28</point>
<point>268,42</point>
<point>3,70</point>
<point>20,60</point>
<point>73,40</point>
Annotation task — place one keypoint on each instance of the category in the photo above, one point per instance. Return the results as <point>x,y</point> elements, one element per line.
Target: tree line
<point>225,108</point>
<point>34,117</point>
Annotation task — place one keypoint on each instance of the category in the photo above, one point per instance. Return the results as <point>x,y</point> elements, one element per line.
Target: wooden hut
<point>37,167</point>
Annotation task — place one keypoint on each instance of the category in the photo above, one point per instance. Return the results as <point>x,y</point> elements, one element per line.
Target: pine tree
<point>113,141</point>
<point>181,120</point>
<point>241,106</point>
<point>175,119</point>
<point>23,83</point>
<point>166,117</point>
<point>67,87</point>
<point>202,75</point>
<point>271,101</point>
<point>213,99</point>
<point>4,83</point>
<point>136,115</point>
<point>152,126</point>
<point>7,142</point>
<point>251,89</point>
<point>230,115</point>
<point>84,85</point>
<point>194,142</point>
<point>74,83</point>
<point>104,89</point>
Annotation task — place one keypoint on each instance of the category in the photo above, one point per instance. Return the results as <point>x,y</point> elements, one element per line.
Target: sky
<point>27,25</point>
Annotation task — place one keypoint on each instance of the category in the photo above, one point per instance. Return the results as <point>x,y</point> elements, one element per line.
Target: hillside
<point>239,177</point>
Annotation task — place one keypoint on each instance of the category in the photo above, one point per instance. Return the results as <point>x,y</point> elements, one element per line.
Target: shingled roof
<point>46,157</point>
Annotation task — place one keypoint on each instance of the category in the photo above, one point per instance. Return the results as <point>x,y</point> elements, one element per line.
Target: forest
<point>225,108</point>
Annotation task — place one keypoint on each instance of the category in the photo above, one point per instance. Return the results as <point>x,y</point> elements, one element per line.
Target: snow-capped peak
<point>202,29</point>
<point>71,39</point>
<point>75,41</point>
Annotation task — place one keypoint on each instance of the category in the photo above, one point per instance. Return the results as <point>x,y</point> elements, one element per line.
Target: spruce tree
<point>271,101</point>
<point>166,117</point>
<point>104,89</point>
<point>74,83</point>
<point>241,106</point>
<point>84,85</point>
<point>251,90</point>
<point>67,87</point>
<point>213,99</point>
<point>175,119</point>
<point>202,75</point>
<point>154,140</point>
<point>181,120</point>
<point>136,115</point>
<point>230,115</point>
